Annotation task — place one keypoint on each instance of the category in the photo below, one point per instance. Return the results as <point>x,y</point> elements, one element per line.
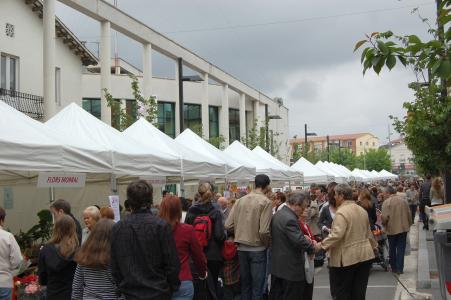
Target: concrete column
<point>105,69</point>
<point>257,113</point>
<point>147,70</point>
<point>224,114</point>
<point>242,115</point>
<point>205,105</point>
<point>177,100</point>
<point>49,59</point>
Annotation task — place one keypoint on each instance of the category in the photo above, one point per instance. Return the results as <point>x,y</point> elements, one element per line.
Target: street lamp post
<point>306,134</point>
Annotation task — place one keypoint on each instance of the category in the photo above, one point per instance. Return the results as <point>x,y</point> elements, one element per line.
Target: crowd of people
<point>260,245</point>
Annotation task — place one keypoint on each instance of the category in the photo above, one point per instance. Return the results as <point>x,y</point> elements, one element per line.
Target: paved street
<point>381,286</point>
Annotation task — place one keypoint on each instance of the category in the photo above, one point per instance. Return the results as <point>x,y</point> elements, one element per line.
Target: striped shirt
<point>90,283</point>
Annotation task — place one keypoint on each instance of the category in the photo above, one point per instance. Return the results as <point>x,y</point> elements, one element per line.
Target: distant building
<point>401,157</point>
<point>357,142</point>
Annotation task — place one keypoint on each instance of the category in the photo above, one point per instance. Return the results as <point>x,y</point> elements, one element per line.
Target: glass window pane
<point>234,125</point>
<point>214,121</point>
<point>3,72</point>
<point>92,106</point>
<point>12,73</point>
<point>192,116</point>
<point>166,118</point>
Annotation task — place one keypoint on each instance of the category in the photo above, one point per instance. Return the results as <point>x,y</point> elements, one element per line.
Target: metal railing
<point>29,104</point>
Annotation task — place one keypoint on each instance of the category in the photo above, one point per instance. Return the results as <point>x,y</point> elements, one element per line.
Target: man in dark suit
<point>288,247</point>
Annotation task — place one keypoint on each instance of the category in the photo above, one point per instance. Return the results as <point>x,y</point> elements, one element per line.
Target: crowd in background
<point>260,245</point>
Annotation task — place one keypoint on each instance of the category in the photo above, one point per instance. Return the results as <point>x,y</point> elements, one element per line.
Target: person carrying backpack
<point>206,219</point>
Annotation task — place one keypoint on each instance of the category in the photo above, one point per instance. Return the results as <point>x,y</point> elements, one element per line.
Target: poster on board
<point>114,204</point>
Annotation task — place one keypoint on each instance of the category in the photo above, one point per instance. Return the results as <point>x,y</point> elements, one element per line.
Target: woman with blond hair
<point>91,215</point>
<point>56,266</point>
<point>93,278</point>
<point>364,200</point>
<point>187,247</point>
<point>436,193</point>
<point>203,214</point>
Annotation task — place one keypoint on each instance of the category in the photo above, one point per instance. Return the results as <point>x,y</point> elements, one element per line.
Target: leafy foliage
<point>257,136</point>
<point>374,159</point>
<point>38,234</point>
<point>426,127</point>
<point>145,107</point>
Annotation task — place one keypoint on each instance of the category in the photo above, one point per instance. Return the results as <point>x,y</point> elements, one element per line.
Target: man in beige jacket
<point>250,220</point>
<point>351,247</point>
<point>397,219</point>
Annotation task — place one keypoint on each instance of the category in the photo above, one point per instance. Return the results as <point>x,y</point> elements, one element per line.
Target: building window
<point>130,109</point>
<point>213,116</point>
<point>349,143</point>
<point>374,144</point>
<point>166,118</point>
<point>192,117</point>
<point>9,70</point>
<point>234,125</point>
<point>92,105</point>
<point>361,143</point>
<point>58,85</point>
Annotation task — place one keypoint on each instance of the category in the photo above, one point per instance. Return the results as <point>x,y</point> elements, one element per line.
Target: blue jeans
<point>397,249</point>
<point>252,274</point>
<point>185,292</point>
<point>6,293</point>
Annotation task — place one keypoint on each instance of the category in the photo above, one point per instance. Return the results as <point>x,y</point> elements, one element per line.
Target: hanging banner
<point>114,204</point>
<point>154,180</point>
<point>8,198</point>
<point>61,180</point>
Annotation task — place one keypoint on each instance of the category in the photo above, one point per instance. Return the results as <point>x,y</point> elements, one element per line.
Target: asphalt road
<point>381,285</point>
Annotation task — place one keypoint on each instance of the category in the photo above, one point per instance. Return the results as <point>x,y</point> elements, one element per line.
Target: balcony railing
<point>30,105</point>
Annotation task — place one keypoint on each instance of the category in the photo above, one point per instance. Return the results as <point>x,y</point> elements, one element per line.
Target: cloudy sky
<point>299,50</point>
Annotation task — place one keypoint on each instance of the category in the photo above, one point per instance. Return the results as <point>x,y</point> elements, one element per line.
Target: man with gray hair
<point>351,247</point>
<point>288,247</point>
<point>397,219</point>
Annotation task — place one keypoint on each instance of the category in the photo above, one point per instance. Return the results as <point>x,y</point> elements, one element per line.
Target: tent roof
<point>194,163</point>
<point>130,156</point>
<point>312,174</point>
<point>339,178</point>
<point>246,156</point>
<point>234,168</point>
<point>295,174</point>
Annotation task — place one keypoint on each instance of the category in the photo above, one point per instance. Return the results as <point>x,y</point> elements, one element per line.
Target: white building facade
<point>41,59</point>
<point>402,158</point>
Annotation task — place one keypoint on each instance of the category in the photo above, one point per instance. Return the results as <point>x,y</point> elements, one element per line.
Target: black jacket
<point>214,247</point>
<point>325,218</point>
<point>288,245</point>
<point>144,258</point>
<point>56,272</point>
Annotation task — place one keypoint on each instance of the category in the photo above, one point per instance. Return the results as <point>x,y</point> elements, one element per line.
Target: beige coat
<point>351,240</point>
<point>396,215</point>
<point>250,219</point>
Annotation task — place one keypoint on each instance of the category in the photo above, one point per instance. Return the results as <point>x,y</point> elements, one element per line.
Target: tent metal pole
<point>52,194</point>
<point>113,184</point>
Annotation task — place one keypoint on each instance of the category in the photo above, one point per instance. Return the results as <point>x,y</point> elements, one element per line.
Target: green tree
<point>343,156</point>
<point>374,159</point>
<point>145,107</point>
<point>257,136</point>
<point>426,127</point>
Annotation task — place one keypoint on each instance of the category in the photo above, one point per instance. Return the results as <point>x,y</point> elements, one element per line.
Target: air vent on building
<point>9,30</point>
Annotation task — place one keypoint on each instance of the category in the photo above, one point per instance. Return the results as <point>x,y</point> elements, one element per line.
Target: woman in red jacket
<point>187,245</point>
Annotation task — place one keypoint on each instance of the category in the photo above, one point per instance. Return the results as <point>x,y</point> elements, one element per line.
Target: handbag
<point>309,267</point>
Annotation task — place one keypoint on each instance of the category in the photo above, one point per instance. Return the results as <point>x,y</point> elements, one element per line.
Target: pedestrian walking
<point>437,195</point>
<point>288,245</point>
<point>412,199</point>
<point>56,266</point>
<point>364,200</point>
<point>91,215</point>
<point>206,218</point>
<point>397,219</point>
<point>351,247</point>
<point>250,220</point>
<point>62,207</point>
<point>144,258</point>
<point>93,278</point>
<point>10,259</point>
<point>425,200</point>
<point>188,247</point>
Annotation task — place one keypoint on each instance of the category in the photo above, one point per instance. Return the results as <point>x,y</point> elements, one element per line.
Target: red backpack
<point>202,229</point>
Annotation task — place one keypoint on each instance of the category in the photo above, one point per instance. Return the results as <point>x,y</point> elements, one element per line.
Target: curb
<point>423,273</point>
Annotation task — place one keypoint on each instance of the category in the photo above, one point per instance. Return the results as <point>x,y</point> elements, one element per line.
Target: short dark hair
<point>61,204</point>
<point>139,195</point>
<point>390,189</point>
<point>262,181</point>
<point>2,214</point>
<point>298,198</point>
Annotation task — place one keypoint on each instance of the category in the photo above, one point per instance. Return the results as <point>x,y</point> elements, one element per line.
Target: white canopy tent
<point>232,169</point>
<point>194,163</point>
<point>388,175</point>
<point>376,175</point>
<point>312,174</point>
<point>294,174</point>
<point>338,170</point>
<point>339,178</point>
<point>130,157</point>
<point>245,156</point>
<point>360,176</point>
<point>30,146</point>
